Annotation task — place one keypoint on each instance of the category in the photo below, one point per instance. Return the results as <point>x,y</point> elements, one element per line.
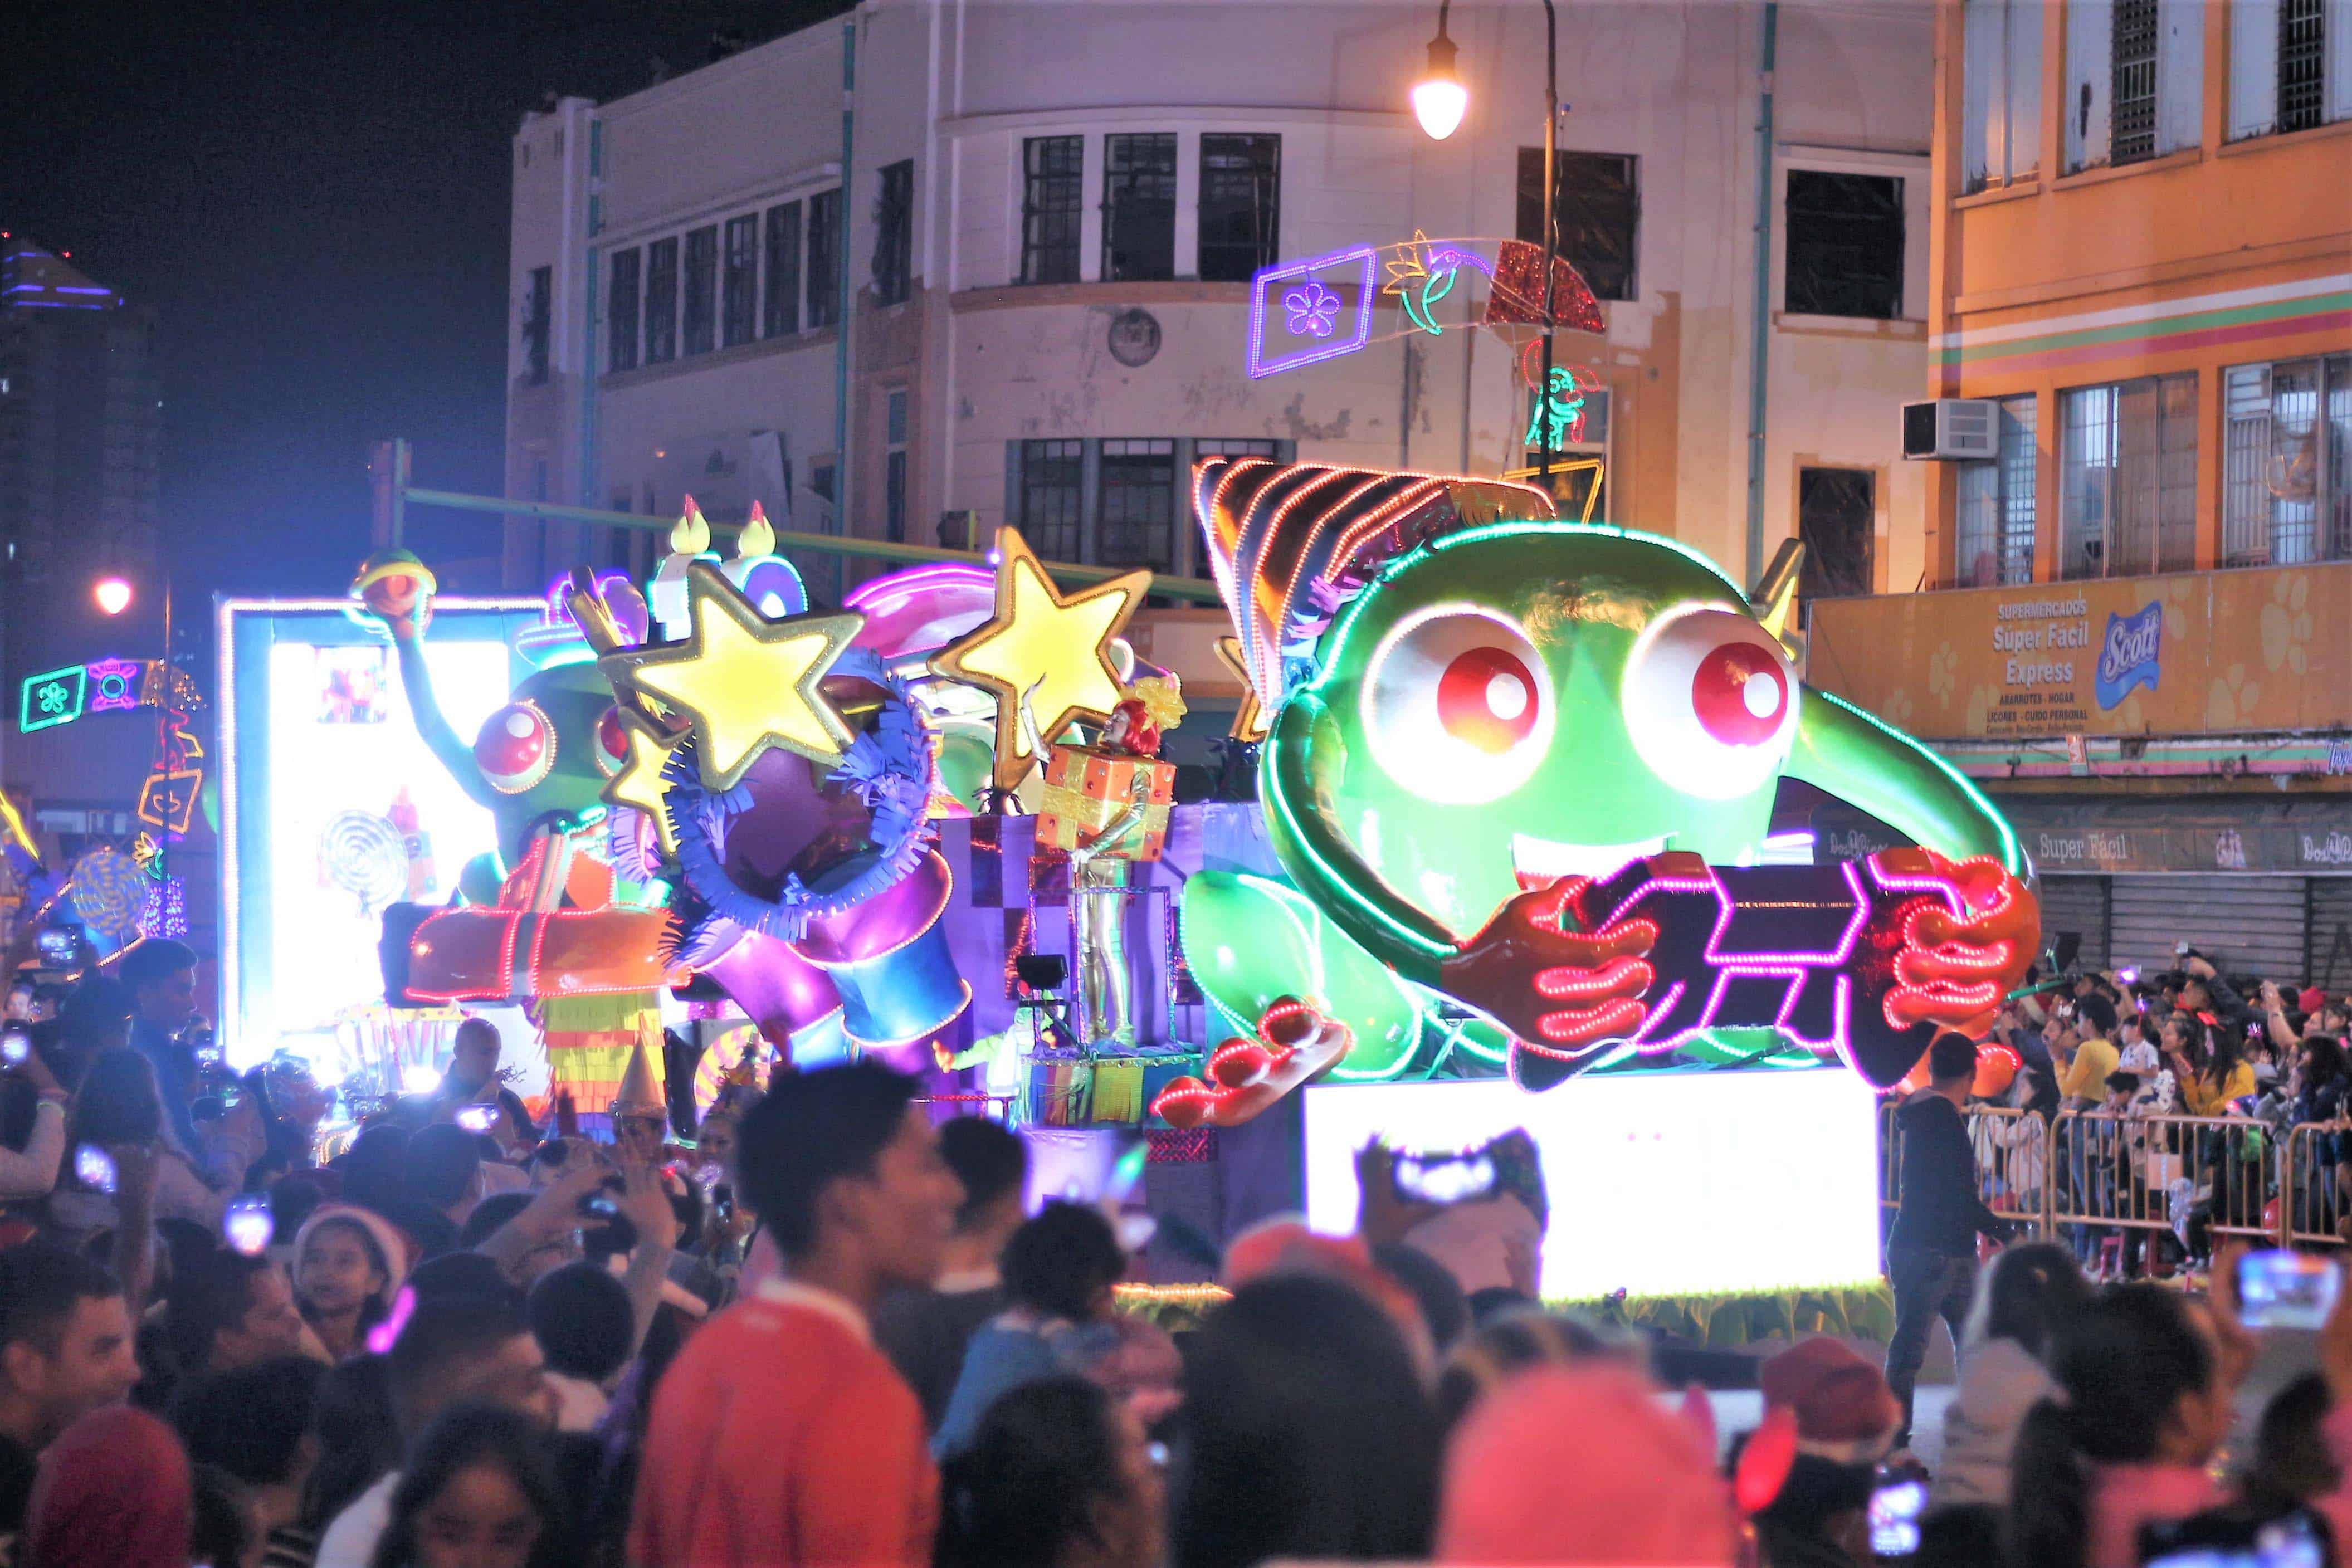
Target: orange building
<point>2141,253</point>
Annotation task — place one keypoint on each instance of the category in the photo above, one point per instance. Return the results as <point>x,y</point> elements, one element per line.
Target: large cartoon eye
<point>611,741</point>
<point>1458,704</point>
<point>516,748</point>
<point>1710,701</point>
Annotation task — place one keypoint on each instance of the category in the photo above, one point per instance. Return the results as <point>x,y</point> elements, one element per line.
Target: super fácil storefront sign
<point>2202,652</point>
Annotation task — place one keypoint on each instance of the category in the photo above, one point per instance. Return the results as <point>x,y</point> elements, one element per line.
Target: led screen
<point>1669,1183</point>
<point>335,808</point>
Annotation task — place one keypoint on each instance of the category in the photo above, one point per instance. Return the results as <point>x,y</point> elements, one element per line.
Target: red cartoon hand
<point>1953,969</point>
<point>1557,989</point>
<point>1294,1042</point>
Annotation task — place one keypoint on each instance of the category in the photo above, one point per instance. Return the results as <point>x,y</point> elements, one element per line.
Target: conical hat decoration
<point>1291,541</point>
<point>641,1087</point>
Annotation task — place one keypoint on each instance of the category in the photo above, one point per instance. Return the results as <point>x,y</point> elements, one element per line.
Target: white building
<point>1053,211</point>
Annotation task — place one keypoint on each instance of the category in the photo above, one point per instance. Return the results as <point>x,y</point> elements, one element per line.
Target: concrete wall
<point>986,362</point>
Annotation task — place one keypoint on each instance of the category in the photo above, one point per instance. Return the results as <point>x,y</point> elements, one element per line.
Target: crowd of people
<point>825,1330</point>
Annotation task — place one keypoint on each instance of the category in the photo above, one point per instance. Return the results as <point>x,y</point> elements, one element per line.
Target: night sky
<point>313,198</point>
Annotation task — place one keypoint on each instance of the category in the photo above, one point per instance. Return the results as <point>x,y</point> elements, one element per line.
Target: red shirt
<point>781,1438</point>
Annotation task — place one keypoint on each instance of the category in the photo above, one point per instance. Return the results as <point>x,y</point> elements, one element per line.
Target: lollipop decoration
<point>109,892</point>
<point>366,856</point>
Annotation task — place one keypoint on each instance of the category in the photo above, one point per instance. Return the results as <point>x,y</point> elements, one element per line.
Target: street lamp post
<point>1438,101</point>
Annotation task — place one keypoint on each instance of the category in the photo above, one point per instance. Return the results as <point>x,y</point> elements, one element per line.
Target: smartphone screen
<point>1447,1178</point>
<point>16,1045</point>
<point>2286,1290</point>
<point>2218,1540</point>
<point>1894,1510</point>
<point>475,1118</point>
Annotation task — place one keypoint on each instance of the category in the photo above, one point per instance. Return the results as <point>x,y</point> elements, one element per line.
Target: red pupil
<point>1739,694</point>
<point>1486,698</point>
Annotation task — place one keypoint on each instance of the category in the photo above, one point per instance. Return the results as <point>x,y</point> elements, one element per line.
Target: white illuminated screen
<point>1661,1185</point>
<point>341,739</point>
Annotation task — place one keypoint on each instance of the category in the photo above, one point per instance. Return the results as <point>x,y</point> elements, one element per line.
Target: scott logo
<point>2131,656</point>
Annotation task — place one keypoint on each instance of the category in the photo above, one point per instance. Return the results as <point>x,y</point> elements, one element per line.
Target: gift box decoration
<point>1088,791</point>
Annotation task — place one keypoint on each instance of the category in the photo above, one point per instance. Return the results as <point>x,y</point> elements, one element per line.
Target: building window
<point>537,322</point>
<point>821,480</point>
<point>825,259</point>
<point>894,468</point>
<point>2127,477</point>
<point>1845,245</point>
<point>1139,207</point>
<point>2000,124</point>
<point>780,315</point>
<point>1995,535</point>
<point>1136,507</point>
<point>1600,214</point>
<point>702,288</point>
<point>2135,80</point>
<point>1837,519</point>
<point>1241,206</point>
<point>621,312</point>
<point>1052,475</point>
<point>894,234</point>
<point>1053,185</point>
<point>2286,462</point>
<point>661,300</point>
<point>2302,65</point>
<point>2281,74</point>
<point>740,297</point>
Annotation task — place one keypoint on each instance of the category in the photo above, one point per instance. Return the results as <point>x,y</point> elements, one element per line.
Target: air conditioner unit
<point>1952,427</point>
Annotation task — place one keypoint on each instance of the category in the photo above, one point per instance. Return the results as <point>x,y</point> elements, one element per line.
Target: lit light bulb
<point>1439,104</point>
<point>113,595</point>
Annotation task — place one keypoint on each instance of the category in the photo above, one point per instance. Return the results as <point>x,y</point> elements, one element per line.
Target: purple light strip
<point>1367,261</point>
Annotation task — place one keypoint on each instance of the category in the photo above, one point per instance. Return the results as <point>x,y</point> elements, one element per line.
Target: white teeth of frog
<point>1539,860</point>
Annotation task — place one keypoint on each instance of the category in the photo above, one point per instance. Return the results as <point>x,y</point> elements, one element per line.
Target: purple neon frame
<point>1366,260</point>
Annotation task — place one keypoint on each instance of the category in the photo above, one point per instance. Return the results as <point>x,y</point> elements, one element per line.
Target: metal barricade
<point>2012,1159</point>
<point>2312,1200</point>
<point>2131,1177</point>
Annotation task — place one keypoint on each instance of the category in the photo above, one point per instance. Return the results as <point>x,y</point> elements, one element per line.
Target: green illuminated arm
<point>433,726</point>
<point>1845,752</point>
<point>1305,744</point>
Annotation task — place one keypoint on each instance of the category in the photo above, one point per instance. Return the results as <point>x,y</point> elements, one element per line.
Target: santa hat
<point>641,1088</point>
<point>1288,541</point>
<point>386,1236</point>
<point>1844,1408</point>
<point>1581,1465</point>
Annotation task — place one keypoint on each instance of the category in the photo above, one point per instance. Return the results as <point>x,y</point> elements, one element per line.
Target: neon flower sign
<point>1310,333</point>
<point>1419,275</point>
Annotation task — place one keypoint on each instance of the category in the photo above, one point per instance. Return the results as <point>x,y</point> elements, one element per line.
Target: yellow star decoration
<point>639,783</point>
<point>1053,650</point>
<point>747,682</point>
<point>1249,721</point>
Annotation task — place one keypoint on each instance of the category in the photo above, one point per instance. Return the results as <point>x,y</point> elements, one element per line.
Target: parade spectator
<point>255,1426</point>
<point>1444,1309</point>
<point>358,1442</point>
<point>1931,1251</point>
<point>348,1263</point>
<point>925,1332</point>
<point>161,976</point>
<point>65,1351</point>
<point>780,1436</point>
<point>1058,1475</point>
<point>450,1352</point>
<point>582,1320</point>
<point>2224,1075</point>
<point>2025,1292</point>
<point>441,1182</point>
<point>472,1078</point>
<point>2089,1051</point>
<point>1846,1417</point>
<point>1059,1269</point>
<point>29,1163</point>
<point>476,1491</point>
<point>1513,1342</point>
<point>113,1491</point>
<point>1581,1465</point>
<point>230,1311</point>
<point>117,1106</point>
<point>1309,1434</point>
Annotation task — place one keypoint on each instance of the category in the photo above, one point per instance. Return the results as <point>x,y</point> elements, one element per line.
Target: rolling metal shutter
<point>2244,924</point>
<point>2076,904</point>
<point>2330,968</point>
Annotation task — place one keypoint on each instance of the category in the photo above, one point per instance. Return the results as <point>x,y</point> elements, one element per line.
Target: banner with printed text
<point>2203,652</point>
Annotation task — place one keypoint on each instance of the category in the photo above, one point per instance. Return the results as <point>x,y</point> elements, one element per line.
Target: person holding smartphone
<point>472,1091</point>
<point>30,1169</point>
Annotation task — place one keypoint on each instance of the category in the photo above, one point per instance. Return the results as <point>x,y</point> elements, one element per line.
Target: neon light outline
<point>1365,257</point>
